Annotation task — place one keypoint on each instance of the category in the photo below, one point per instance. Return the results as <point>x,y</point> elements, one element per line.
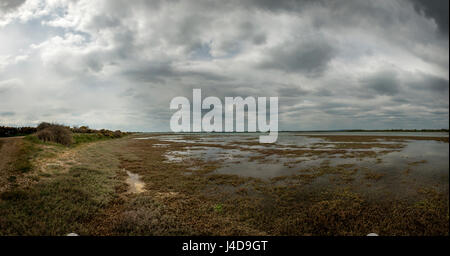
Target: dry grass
<point>373,175</point>
<point>251,206</point>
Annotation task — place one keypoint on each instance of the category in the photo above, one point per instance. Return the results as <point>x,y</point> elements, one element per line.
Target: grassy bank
<point>64,204</point>
<point>22,164</point>
<point>62,190</point>
<point>79,138</point>
<point>53,189</point>
<point>15,161</point>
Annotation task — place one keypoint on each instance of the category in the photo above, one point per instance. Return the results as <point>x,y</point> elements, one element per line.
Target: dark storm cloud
<point>280,5</point>
<point>7,5</point>
<point>439,85</point>
<point>334,64</point>
<point>435,9</point>
<point>425,84</point>
<point>310,57</point>
<point>434,84</point>
<point>150,72</point>
<point>323,92</point>
<point>382,83</point>
<point>292,91</point>
<point>160,72</point>
<point>103,21</point>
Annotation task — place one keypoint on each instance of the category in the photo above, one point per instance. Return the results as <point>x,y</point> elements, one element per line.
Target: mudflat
<point>223,184</point>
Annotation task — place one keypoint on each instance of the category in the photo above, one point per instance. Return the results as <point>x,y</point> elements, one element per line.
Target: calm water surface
<point>418,162</point>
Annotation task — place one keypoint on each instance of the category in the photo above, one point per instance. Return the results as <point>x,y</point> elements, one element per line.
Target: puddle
<point>417,163</point>
<point>135,183</point>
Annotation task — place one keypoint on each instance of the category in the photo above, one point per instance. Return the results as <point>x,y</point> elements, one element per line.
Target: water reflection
<point>425,161</point>
<point>135,184</point>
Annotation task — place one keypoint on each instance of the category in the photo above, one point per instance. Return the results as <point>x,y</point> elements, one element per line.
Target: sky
<point>117,64</point>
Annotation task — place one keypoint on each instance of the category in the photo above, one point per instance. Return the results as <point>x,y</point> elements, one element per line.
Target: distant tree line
<point>51,132</point>
<point>108,133</point>
<point>361,130</point>
<point>400,130</point>
<point>6,131</point>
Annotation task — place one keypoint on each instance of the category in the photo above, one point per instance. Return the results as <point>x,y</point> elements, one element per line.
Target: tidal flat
<point>317,184</point>
<point>305,184</point>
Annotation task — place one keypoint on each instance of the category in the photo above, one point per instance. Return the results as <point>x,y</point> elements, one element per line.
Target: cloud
<point>292,91</point>
<point>434,84</point>
<point>435,9</point>
<point>310,57</point>
<point>117,64</point>
<point>7,113</point>
<point>7,5</point>
<point>382,83</point>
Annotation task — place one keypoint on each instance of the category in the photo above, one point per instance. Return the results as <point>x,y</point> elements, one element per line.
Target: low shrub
<point>100,135</point>
<point>44,125</point>
<point>54,133</point>
<point>50,132</point>
<point>79,138</point>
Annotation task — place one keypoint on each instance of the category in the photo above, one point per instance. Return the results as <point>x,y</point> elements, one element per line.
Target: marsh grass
<point>370,175</point>
<point>80,138</point>
<point>55,207</point>
<point>55,202</point>
<point>92,198</point>
<point>22,162</point>
<point>280,206</point>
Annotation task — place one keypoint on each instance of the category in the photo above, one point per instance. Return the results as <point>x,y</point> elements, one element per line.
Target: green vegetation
<point>83,189</point>
<point>47,132</point>
<point>65,203</point>
<point>57,133</point>
<point>218,207</point>
<point>289,205</point>
<point>16,131</point>
<point>43,195</point>
<point>23,160</point>
<point>79,138</point>
<point>54,133</point>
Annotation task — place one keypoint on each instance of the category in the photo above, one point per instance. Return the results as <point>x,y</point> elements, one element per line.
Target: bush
<point>79,138</point>
<point>54,133</point>
<point>82,129</point>
<point>16,131</point>
<point>48,132</point>
<point>117,134</point>
<point>44,125</point>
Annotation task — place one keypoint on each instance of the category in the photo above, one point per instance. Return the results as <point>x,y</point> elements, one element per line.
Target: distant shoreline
<point>317,131</point>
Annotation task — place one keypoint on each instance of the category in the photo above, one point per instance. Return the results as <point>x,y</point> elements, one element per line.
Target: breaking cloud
<point>117,64</point>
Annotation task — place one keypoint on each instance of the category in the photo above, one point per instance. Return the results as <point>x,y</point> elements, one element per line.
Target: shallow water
<point>134,182</point>
<point>417,162</point>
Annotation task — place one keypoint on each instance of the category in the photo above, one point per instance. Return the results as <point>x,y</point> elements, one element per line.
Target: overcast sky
<point>117,64</point>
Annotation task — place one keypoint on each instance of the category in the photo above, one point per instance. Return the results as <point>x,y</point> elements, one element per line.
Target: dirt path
<point>9,147</point>
<point>57,162</point>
